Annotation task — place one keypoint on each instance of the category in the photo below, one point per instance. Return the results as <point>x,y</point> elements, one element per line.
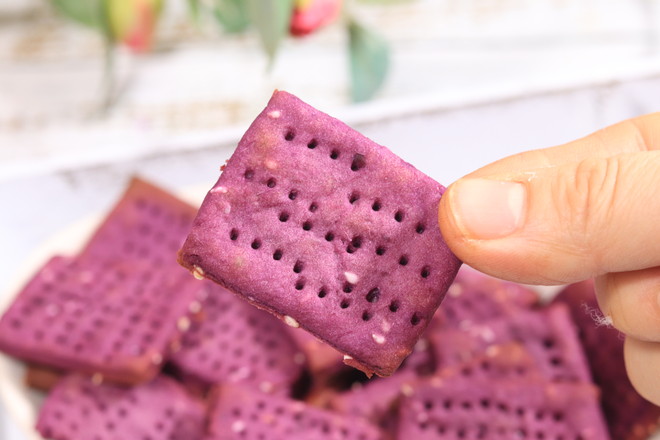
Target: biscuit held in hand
<point>328,230</point>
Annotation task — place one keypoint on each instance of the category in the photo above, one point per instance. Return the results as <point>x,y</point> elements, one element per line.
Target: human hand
<point>589,208</point>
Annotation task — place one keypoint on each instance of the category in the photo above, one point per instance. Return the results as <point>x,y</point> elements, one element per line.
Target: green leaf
<point>271,18</point>
<point>232,14</point>
<point>194,7</point>
<point>86,12</point>
<point>369,61</point>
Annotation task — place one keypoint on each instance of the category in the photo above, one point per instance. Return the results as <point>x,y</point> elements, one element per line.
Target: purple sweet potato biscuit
<point>628,415</point>
<point>549,335</point>
<point>377,399</point>
<point>468,409</point>
<point>238,343</point>
<point>509,361</point>
<point>328,230</point>
<point>147,224</point>
<point>42,378</point>
<point>160,409</point>
<point>321,358</point>
<point>475,297</point>
<point>243,414</point>
<point>115,321</point>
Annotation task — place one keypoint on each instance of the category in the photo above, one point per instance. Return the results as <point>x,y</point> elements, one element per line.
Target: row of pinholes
<point>353,198</point>
<point>356,241</point>
<point>372,296</point>
<point>114,415</point>
<point>330,428</point>
<point>357,163</point>
<point>487,404</point>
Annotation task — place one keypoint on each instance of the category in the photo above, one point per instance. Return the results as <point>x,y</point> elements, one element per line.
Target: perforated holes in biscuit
<point>358,162</point>
<point>373,295</point>
<point>355,244</point>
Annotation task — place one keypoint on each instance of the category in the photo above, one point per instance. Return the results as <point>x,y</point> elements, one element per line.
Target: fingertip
<point>450,231</point>
<point>642,360</point>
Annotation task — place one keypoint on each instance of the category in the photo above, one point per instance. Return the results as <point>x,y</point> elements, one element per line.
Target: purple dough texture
<point>467,408</point>
<point>161,409</point>
<point>328,230</point>
<point>147,224</point>
<point>549,335</point>
<point>94,317</point>
<point>238,343</point>
<point>243,414</point>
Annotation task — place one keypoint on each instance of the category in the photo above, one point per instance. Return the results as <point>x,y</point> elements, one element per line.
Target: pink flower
<point>309,15</point>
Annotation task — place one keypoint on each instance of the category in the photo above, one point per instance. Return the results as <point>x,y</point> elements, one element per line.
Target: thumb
<point>558,224</point>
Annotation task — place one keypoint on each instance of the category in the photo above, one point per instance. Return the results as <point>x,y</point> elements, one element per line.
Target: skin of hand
<point>586,209</point>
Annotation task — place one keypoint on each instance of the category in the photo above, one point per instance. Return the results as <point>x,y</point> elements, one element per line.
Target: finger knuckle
<point>587,195</point>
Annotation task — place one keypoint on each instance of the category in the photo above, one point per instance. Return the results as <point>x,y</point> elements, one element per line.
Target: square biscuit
<point>328,230</point>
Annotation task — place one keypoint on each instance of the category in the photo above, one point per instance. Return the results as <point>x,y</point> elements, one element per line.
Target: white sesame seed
<point>422,345</point>
<point>291,322</point>
<point>347,357</point>
<point>455,290</point>
<point>198,272</point>
<point>238,426</point>
<point>195,307</point>
<point>240,374</point>
<point>274,114</point>
<point>379,339</point>
<point>493,350</point>
<point>219,189</point>
<point>407,390</point>
<point>270,164</point>
<point>183,324</point>
<point>351,277</point>
<point>487,334</point>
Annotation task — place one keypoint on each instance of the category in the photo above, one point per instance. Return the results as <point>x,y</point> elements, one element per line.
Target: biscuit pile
<point>330,232</point>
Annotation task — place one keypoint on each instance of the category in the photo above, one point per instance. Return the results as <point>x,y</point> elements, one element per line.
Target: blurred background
<point>95,91</point>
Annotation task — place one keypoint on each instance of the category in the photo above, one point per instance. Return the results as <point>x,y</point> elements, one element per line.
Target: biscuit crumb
<point>198,272</point>
<point>183,324</point>
<point>291,322</point>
